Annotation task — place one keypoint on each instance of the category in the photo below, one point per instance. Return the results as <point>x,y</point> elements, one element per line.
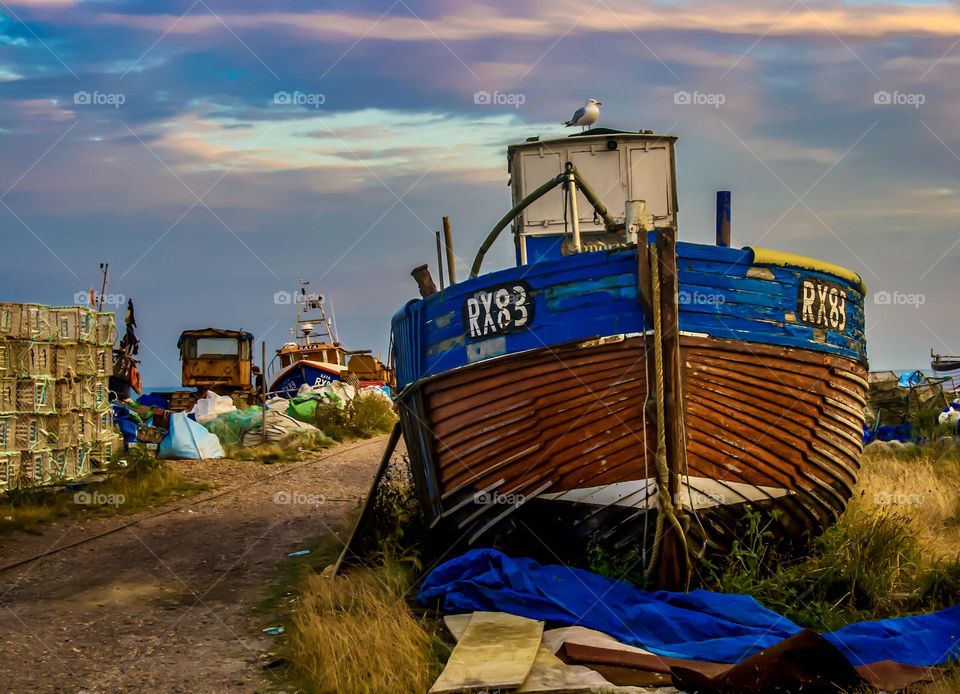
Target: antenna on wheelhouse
<point>306,331</point>
<point>336,331</point>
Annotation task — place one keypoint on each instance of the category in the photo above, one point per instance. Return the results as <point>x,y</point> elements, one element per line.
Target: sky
<point>214,153</point>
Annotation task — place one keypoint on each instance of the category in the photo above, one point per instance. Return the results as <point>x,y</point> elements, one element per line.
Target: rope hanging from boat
<point>666,513</point>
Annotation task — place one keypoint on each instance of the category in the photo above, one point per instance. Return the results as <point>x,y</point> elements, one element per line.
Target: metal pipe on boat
<point>440,260</point>
<point>635,227</point>
<point>723,218</point>
<point>634,221</point>
<point>421,274</point>
<point>572,191</point>
<point>585,188</point>
<point>448,241</point>
<point>608,221</point>
<point>509,217</point>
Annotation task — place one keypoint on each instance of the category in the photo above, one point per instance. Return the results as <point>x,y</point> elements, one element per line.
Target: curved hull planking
<point>541,429</point>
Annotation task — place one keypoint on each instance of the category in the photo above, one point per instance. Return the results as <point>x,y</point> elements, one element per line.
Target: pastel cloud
<point>473,21</point>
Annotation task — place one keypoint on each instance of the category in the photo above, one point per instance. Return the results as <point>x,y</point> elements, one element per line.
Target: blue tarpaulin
<point>887,432</point>
<point>127,422</point>
<point>911,380</point>
<point>699,625</point>
<point>151,400</point>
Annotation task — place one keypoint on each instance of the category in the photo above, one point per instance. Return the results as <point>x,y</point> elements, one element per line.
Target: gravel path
<point>169,604</point>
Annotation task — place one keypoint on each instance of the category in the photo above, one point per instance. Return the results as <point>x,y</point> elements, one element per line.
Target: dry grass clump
<point>921,485</point>
<point>894,551</point>
<point>950,684</point>
<point>355,633</point>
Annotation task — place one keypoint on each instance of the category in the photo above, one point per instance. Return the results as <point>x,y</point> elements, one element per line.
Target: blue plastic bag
<point>187,440</point>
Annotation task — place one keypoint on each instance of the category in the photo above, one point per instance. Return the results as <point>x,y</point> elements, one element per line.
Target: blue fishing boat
<point>316,357</point>
<point>619,387</point>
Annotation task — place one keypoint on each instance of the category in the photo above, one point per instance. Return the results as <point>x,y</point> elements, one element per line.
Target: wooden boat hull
<point>557,442</point>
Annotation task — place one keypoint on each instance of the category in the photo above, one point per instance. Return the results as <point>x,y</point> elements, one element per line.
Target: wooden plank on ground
<point>549,673</point>
<point>553,639</point>
<point>495,651</point>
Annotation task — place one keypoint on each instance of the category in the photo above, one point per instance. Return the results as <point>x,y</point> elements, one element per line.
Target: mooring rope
<point>665,511</point>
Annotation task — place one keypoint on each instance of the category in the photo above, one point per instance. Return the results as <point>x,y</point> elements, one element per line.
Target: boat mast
<point>304,324</point>
<point>336,332</point>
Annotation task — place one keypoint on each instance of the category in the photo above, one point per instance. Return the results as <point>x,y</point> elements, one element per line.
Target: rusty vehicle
<point>215,359</point>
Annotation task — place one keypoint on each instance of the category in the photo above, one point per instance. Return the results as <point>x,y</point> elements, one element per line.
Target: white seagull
<point>586,115</point>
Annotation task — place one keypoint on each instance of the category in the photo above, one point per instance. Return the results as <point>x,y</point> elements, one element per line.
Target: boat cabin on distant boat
<point>330,354</point>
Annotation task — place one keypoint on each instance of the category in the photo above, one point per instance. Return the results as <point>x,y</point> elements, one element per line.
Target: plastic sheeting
<point>303,409</point>
<point>337,393</point>
<point>188,440</point>
<point>152,400</point>
<point>280,428</point>
<point>699,625</point>
<point>902,433</point>
<point>127,421</point>
<point>211,406</point>
<point>911,380</point>
<point>231,427</point>
<point>951,416</point>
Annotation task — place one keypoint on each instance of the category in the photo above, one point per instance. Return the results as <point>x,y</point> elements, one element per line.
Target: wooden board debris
<point>553,639</point>
<point>496,651</point>
<point>549,673</point>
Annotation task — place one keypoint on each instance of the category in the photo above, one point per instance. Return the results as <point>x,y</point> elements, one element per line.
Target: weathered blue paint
<point>722,294</point>
<point>541,248</point>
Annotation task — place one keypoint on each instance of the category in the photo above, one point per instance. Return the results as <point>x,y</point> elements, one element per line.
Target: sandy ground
<point>170,604</point>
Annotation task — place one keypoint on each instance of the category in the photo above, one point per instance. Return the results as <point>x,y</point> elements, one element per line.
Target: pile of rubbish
<point>896,401</point>
<point>701,641</point>
<point>148,420</point>
<point>216,422</point>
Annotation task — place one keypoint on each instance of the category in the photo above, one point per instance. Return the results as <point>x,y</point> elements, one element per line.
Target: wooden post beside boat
<point>635,225</point>
<point>440,260</point>
<point>347,554</point>
<point>723,218</point>
<point>263,388</point>
<point>451,258</point>
<point>672,568</point>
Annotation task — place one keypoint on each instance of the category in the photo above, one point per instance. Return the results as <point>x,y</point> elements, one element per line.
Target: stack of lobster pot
<point>56,421</point>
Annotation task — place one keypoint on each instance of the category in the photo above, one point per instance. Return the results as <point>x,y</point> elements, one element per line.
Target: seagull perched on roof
<point>586,115</point>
